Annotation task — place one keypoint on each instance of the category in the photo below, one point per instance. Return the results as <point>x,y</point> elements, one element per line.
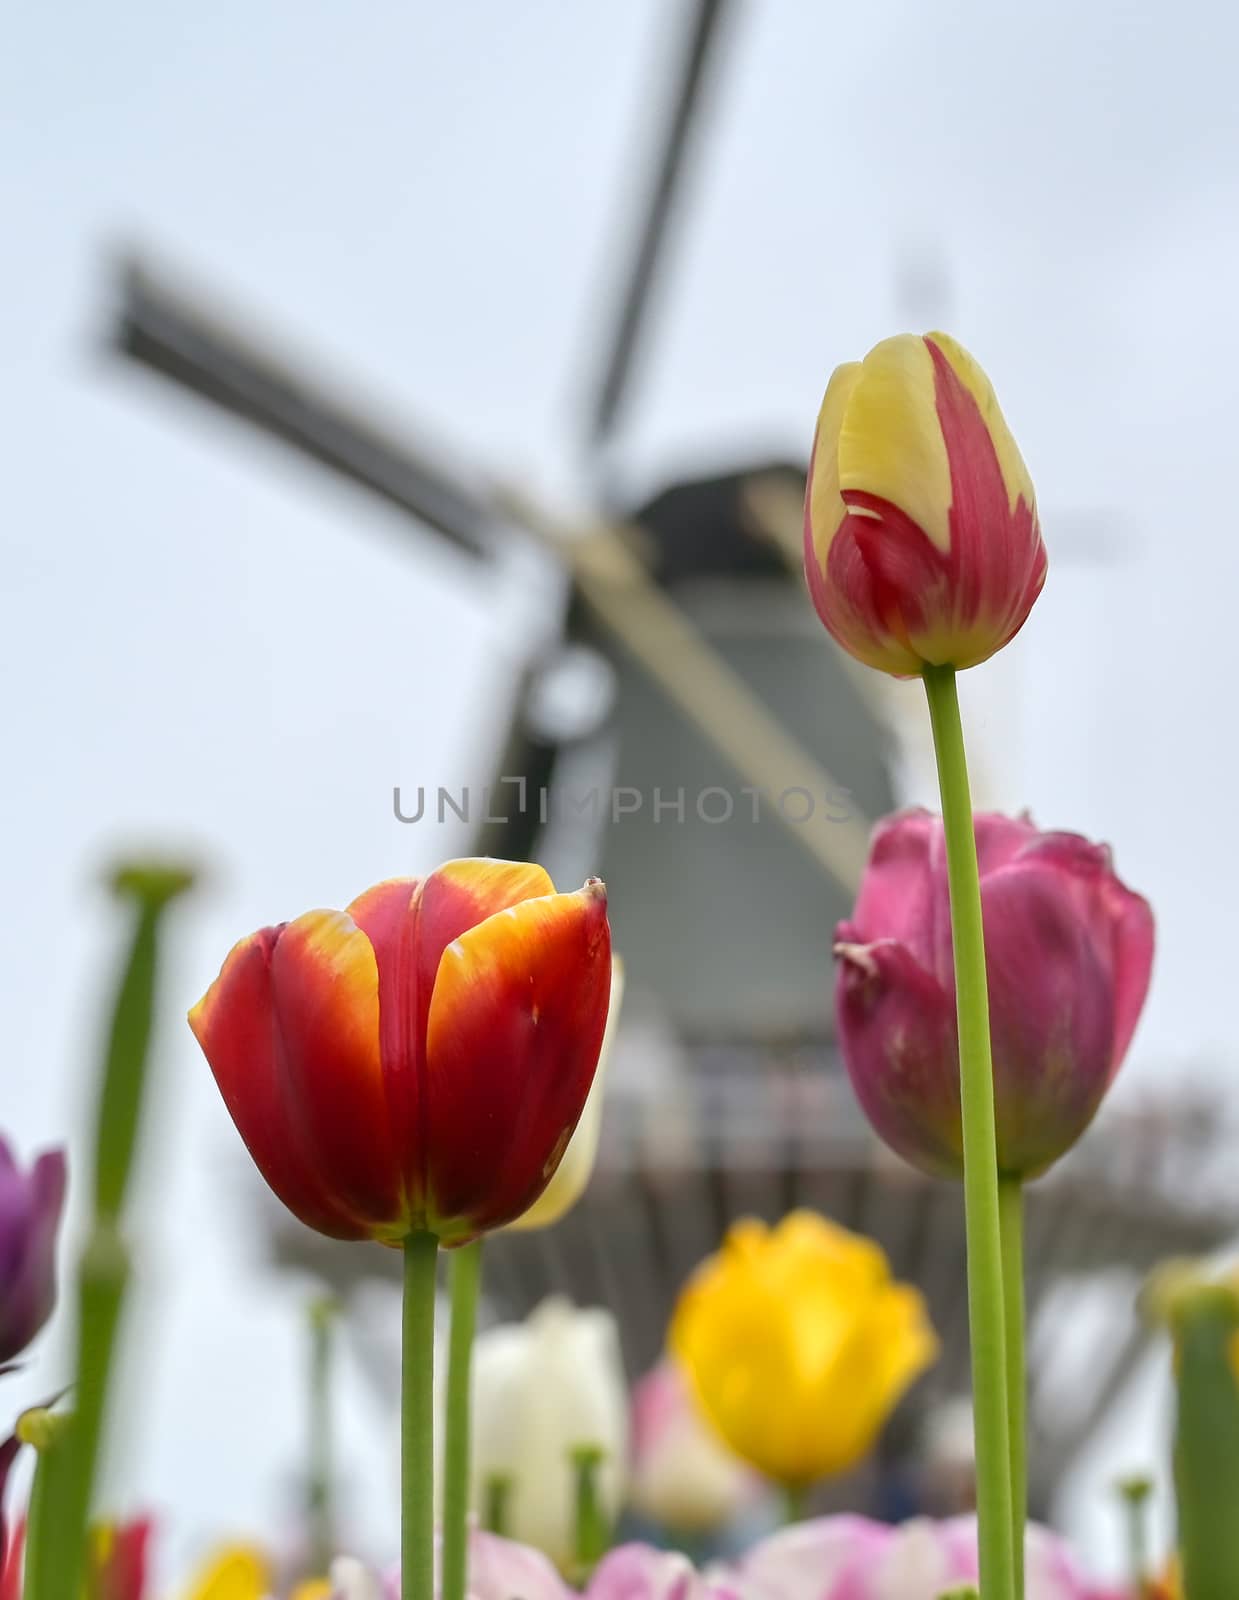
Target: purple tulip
<point>30,1205</point>
<point>1069,953</point>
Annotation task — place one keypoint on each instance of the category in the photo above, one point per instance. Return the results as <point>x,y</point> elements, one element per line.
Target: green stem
<point>58,1552</point>
<point>1135,1493</point>
<point>322,1519</point>
<point>795,1502</point>
<point>417,1506</point>
<point>985,1280</point>
<point>466,1276</point>
<point>593,1535</point>
<point>1207,1445</point>
<point>45,1431</point>
<point>1011,1228</point>
<point>496,1495</point>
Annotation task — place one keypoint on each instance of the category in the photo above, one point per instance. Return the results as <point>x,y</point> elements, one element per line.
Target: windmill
<point>698,743</point>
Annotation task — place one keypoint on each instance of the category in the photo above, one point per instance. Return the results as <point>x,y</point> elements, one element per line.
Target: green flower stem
<point>795,1502</point>
<point>466,1274</point>
<point>981,1211</point>
<point>58,1549</point>
<point>417,1500</point>
<point>593,1536</point>
<point>1207,1444</point>
<point>497,1495</point>
<point>1011,1228</point>
<point>322,1315</point>
<point>1135,1494</point>
<point>44,1431</point>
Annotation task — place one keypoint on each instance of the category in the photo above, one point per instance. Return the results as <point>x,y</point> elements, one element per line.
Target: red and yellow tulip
<point>420,1060</point>
<point>922,544</point>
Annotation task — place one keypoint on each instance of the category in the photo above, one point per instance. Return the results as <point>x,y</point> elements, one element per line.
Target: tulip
<point>10,1549</point>
<point>798,1344</point>
<point>1069,952</point>
<point>639,1572</point>
<point>30,1206</point>
<point>120,1560</point>
<point>501,1568</point>
<point>575,1170</point>
<point>418,1062</point>
<point>851,1558</point>
<point>682,1476</point>
<point>235,1572</point>
<point>921,539</point>
<point>543,1390</point>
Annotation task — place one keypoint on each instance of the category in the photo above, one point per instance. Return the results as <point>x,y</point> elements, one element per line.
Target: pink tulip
<point>640,1572</point>
<point>851,1558</point>
<point>499,1569</point>
<point>1069,954</point>
<point>830,1558</point>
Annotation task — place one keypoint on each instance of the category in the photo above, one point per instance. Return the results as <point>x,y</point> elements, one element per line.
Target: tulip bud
<point>682,1476</point>
<point>922,544</point>
<point>1069,953</point>
<point>798,1344</point>
<point>419,1061</point>
<point>544,1390</point>
<point>30,1206</point>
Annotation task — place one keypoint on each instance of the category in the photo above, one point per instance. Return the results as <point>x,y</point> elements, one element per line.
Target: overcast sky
<point>205,642</point>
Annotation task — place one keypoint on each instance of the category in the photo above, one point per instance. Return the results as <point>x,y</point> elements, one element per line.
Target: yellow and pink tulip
<point>921,539</point>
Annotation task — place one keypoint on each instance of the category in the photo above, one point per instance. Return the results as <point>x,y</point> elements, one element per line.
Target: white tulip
<point>543,1389</point>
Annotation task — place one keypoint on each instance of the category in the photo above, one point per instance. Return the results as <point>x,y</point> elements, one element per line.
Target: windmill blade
<point>633,305</point>
<point>181,341</point>
<point>172,332</point>
<point>669,646</point>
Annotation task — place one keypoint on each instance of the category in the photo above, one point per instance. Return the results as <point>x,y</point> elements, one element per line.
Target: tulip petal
<point>461,894</point>
<point>890,443</point>
<point>30,1284</point>
<point>500,1568</point>
<point>514,1033</point>
<point>409,923</point>
<point>903,894</point>
<point>1121,923</point>
<point>325,1001</point>
<point>998,560</point>
<point>9,1452</point>
<point>573,1173</point>
<point>1014,474</point>
<point>824,506</point>
<point>897,1026</point>
<point>235,1025</point>
<point>1051,994</point>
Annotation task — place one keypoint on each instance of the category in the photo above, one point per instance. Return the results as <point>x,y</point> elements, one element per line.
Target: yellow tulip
<point>236,1572</point>
<point>798,1344</point>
